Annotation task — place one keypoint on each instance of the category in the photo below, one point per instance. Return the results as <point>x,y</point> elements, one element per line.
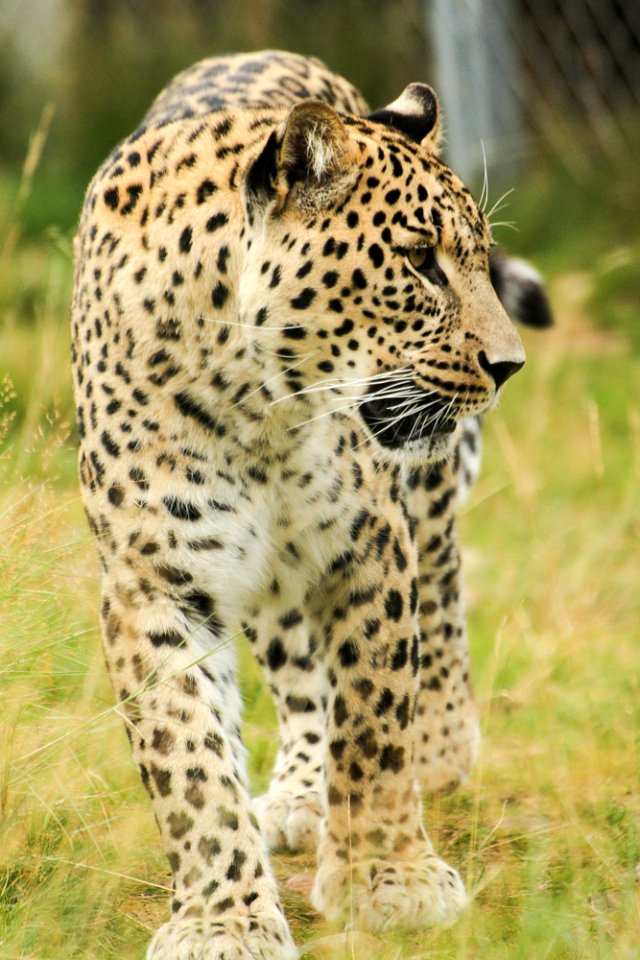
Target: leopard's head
<point>368,260</point>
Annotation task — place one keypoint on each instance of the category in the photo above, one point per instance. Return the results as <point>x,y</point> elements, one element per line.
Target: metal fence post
<point>477,82</point>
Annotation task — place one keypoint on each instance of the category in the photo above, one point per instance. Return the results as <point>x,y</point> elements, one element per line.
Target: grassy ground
<point>547,832</point>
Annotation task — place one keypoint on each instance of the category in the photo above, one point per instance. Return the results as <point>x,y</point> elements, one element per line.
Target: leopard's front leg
<point>447,726</point>
<point>291,810</point>
<point>376,866</point>
<point>171,664</point>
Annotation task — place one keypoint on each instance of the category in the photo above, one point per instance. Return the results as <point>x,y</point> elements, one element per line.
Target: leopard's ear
<point>310,146</point>
<point>314,141</point>
<point>416,114</point>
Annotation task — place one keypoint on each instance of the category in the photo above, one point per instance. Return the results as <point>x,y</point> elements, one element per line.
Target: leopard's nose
<point>501,370</point>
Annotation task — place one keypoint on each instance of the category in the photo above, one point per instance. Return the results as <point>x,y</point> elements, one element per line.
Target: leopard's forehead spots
<point>425,201</point>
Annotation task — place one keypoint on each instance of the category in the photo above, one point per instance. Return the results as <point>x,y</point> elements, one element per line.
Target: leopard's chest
<point>301,520</point>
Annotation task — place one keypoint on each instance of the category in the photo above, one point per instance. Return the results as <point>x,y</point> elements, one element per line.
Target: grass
<point>547,830</point>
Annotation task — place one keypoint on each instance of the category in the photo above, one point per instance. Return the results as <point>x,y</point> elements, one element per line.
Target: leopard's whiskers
<point>336,383</point>
<point>277,376</point>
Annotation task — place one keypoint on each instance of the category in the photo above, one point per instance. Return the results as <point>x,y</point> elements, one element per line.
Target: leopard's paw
<point>288,820</point>
<point>257,936</point>
<point>379,894</point>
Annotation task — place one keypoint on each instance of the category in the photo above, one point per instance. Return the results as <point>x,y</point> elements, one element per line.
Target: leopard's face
<point>374,278</point>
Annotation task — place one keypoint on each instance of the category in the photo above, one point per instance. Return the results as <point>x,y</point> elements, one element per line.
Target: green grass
<point>547,830</point>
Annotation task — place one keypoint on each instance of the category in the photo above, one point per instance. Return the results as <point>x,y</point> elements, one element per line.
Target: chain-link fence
<point>517,76</point>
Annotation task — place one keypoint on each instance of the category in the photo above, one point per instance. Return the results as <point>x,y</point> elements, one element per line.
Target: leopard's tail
<point>520,289</point>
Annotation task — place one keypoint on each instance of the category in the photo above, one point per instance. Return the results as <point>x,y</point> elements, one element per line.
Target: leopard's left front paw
<point>377,894</point>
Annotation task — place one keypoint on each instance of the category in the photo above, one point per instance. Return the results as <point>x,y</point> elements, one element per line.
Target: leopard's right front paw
<point>289,821</point>
<point>254,937</point>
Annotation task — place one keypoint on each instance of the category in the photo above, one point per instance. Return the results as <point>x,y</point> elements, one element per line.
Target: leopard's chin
<point>422,434</point>
<point>417,453</point>
<point>433,449</point>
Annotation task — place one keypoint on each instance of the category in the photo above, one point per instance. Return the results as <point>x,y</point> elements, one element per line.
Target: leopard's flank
<point>284,330</point>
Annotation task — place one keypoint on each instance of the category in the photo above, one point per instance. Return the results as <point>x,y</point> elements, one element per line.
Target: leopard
<point>286,323</point>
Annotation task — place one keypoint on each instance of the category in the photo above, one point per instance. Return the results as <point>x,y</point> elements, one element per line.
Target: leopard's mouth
<point>413,420</point>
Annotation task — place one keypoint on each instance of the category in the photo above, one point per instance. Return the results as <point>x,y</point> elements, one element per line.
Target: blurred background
<point>548,830</point>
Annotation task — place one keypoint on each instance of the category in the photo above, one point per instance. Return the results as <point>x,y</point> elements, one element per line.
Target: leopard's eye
<point>419,256</point>
<point>423,259</point>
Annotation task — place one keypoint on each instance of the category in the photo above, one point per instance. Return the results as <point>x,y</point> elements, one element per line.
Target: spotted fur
<point>283,333</point>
